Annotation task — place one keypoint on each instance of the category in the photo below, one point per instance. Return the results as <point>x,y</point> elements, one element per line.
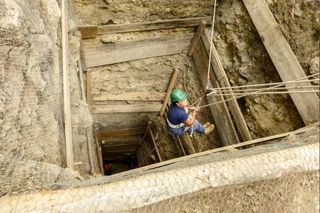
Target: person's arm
<point>190,121</point>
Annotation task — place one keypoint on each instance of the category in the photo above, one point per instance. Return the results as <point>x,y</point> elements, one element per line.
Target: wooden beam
<point>119,133</point>
<point>66,85</point>
<point>172,82</point>
<point>80,74</point>
<point>283,58</point>
<point>155,145</point>
<point>152,25</point>
<point>126,139</point>
<point>197,36</point>
<point>128,108</point>
<point>88,87</point>
<point>118,148</point>
<point>224,82</point>
<point>120,151</point>
<point>99,153</point>
<point>88,31</point>
<point>220,111</point>
<point>90,149</point>
<point>130,96</point>
<point>114,53</point>
<point>119,145</point>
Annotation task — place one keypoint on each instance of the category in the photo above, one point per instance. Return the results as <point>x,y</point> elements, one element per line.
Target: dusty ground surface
<point>297,192</point>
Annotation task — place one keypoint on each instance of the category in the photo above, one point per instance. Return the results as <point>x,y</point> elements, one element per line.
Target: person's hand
<point>195,109</point>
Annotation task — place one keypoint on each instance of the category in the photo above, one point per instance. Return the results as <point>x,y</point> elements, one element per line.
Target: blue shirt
<point>176,115</point>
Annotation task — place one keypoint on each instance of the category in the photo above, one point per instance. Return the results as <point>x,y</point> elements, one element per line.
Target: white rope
<point>211,43</point>
<point>253,90</point>
<point>269,93</point>
<point>261,90</point>
<point>275,83</point>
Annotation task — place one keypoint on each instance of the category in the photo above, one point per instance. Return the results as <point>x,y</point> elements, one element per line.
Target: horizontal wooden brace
<point>130,96</point>
<point>128,108</point>
<point>119,133</point>
<point>91,31</point>
<point>128,51</point>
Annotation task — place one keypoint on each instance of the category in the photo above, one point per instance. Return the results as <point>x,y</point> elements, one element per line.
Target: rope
<point>211,43</point>
<point>269,93</point>
<point>272,84</point>
<point>299,80</point>
<point>253,90</point>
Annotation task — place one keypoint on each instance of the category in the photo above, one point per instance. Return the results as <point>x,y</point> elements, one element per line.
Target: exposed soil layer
<point>123,11</point>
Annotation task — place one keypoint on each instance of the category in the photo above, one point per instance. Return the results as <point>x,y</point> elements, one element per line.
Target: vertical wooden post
<point>99,153</point>
<point>283,58</point>
<point>90,150</point>
<point>220,73</point>
<point>197,37</point>
<point>66,85</point>
<point>170,87</point>
<point>155,144</point>
<point>220,111</point>
<point>88,83</point>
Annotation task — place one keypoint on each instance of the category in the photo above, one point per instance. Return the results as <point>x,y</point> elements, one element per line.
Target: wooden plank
<point>126,139</point>
<point>221,149</point>
<point>90,149</point>
<point>224,82</point>
<point>155,145</point>
<point>152,25</point>
<point>119,133</point>
<point>88,31</point>
<point>108,145</point>
<point>99,153</point>
<point>66,85</point>
<point>131,96</point>
<point>88,87</point>
<point>113,53</point>
<point>119,149</point>
<point>283,58</point>
<point>220,112</point>
<point>80,74</point>
<point>172,82</point>
<point>128,108</point>
<point>196,37</point>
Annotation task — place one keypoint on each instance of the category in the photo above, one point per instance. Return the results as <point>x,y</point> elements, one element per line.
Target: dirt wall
<point>247,62</point>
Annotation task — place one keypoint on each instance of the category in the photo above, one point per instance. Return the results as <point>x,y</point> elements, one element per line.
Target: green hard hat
<point>178,95</point>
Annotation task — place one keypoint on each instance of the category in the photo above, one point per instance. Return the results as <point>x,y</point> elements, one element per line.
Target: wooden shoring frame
<point>220,112</point>
<point>92,31</point>
<point>223,81</point>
